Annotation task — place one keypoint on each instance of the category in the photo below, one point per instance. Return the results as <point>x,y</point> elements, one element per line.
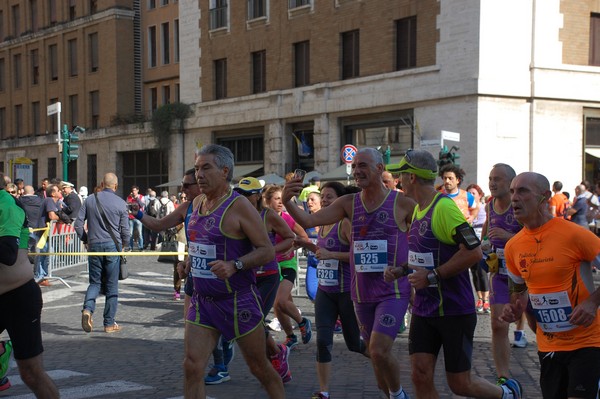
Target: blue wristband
<point>139,215</point>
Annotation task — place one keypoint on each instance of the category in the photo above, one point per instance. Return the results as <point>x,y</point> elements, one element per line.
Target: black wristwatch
<point>239,265</point>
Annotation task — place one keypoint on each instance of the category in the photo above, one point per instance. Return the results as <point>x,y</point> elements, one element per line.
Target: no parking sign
<point>348,153</point>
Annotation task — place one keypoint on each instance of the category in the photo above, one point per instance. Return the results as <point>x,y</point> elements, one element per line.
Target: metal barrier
<point>62,242</point>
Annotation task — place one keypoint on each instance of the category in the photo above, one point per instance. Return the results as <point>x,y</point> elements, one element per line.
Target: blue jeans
<point>41,264</point>
<point>107,267</point>
<point>134,223</point>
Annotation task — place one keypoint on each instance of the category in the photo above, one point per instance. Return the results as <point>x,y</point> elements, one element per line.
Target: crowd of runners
<point>393,243</point>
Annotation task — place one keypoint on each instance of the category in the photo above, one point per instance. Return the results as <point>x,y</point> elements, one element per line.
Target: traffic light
<point>448,156</point>
<point>72,147</point>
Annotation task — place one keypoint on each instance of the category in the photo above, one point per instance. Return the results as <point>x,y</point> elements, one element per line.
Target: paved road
<point>144,359</point>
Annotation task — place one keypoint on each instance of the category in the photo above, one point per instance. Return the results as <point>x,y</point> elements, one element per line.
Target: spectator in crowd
<point>71,202</point>
<point>49,213</point>
<point>33,206</point>
<point>135,226</point>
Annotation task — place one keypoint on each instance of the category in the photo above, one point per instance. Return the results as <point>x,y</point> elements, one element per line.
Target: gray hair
<point>223,157</point>
<point>423,160</point>
<point>508,170</point>
<point>375,155</point>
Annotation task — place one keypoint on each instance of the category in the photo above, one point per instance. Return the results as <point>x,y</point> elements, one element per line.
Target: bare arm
<point>279,226</point>
<point>323,253</point>
<point>171,220</point>
<point>241,221</point>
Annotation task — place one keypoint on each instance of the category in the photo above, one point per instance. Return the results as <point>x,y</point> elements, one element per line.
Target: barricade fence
<point>68,250</point>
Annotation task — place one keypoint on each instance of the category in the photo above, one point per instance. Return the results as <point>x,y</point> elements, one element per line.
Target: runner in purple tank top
<point>442,247</point>
<point>380,219</point>
<point>224,248</point>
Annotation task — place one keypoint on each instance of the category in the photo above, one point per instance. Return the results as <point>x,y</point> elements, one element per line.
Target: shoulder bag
<point>123,270</point>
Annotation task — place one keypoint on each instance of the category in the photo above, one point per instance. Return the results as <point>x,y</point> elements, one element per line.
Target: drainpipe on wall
<point>532,83</point>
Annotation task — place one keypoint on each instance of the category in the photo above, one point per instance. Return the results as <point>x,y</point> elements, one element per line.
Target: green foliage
<point>163,119</point>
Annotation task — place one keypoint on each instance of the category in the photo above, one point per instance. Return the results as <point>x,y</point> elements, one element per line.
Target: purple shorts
<point>385,317</point>
<point>233,316</point>
<point>499,294</point>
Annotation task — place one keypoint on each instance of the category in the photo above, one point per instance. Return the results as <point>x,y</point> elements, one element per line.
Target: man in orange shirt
<point>452,176</point>
<point>558,201</point>
<point>550,260</point>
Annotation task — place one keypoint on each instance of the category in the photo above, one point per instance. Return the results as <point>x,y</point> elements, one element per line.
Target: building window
<point>53,62</point>
<point>153,99</point>
<point>33,15</point>
<point>1,26</point>
<point>301,64</point>
<point>52,167</point>
<point>52,11</point>
<point>72,10</point>
<point>406,43</point>
<point>92,171</point>
<point>152,47</point>
<point>218,14</point>
<point>259,71</point>
<point>93,6</point>
<point>2,74</point>
<point>17,71</point>
<point>390,129</point>
<point>595,40</point>
<point>151,4</point>
<point>35,118</point>
<point>176,40</point>
<point>298,3</point>
<point>74,109</point>
<point>220,67</point>
<point>2,123</point>
<point>34,58</point>
<point>72,45</point>
<point>245,149</point>
<point>164,30</point>
<point>145,168</point>
<point>166,95</point>
<point>94,58</point>
<point>164,2</point>
<point>18,120</point>
<point>257,8</point>
<point>350,54</point>
<point>95,108</point>
<point>16,20</point>
<point>177,93</point>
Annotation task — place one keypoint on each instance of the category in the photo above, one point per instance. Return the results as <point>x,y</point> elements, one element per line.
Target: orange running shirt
<point>559,200</point>
<point>548,260</point>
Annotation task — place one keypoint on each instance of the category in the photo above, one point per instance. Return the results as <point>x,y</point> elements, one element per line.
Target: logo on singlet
<point>329,243</point>
<point>510,218</point>
<point>387,320</point>
<point>209,223</point>
<point>423,228</point>
<point>382,217</point>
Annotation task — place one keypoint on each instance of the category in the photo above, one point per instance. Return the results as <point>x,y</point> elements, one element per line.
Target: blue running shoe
<point>514,386</point>
<point>218,374</point>
<point>291,341</point>
<point>305,330</point>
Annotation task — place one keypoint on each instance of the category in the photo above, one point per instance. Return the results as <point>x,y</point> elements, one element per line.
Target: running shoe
<point>4,384</point>
<point>514,386</point>
<point>305,330</point>
<point>228,352</point>
<point>479,306</point>
<point>218,374</point>
<point>319,395</point>
<point>291,341</point>
<point>486,307</point>
<point>280,362</point>
<point>337,329</point>
<point>287,378</point>
<point>520,339</point>
<point>274,325</point>
<point>5,360</point>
